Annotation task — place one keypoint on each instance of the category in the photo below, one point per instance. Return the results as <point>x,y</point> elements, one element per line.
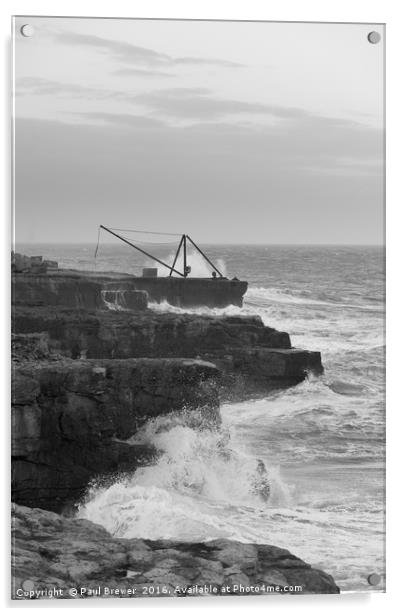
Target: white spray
<point>185,493</point>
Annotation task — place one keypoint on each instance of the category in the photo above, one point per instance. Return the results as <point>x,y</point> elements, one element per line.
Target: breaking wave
<point>197,474</point>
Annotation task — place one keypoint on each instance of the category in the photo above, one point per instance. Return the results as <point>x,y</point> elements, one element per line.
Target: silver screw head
<point>374,579</point>
<point>374,37</point>
<point>27,30</point>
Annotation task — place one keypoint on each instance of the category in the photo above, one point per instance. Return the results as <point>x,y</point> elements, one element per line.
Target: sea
<point>322,442</point>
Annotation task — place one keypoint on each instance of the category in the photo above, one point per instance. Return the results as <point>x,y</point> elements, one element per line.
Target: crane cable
<point>147,232</point>
<point>97,245</point>
<point>138,231</point>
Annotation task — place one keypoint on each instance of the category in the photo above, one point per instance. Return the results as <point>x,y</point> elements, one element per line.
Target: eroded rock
<point>59,553</point>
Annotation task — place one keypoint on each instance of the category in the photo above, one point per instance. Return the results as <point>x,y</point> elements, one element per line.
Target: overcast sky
<point>231,132</point>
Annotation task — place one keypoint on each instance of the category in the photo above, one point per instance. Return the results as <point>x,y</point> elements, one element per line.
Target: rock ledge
<point>54,554</point>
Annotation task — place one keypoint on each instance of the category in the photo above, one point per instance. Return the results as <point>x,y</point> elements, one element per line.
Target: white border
<point>378,11</point>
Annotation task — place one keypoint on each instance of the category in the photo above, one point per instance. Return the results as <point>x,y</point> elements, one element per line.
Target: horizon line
<point>94,243</point>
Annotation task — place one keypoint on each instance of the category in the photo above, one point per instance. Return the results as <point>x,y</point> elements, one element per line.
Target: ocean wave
<point>315,420</point>
<point>346,388</point>
<point>197,469</point>
<point>261,295</point>
<point>164,306</point>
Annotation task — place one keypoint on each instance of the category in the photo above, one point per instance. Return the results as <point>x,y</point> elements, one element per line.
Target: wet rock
<point>274,578</point>
<point>56,553</point>
<point>229,554</point>
<point>125,299</point>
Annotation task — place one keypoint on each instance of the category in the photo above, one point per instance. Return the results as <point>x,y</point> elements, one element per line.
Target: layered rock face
<point>84,289</point>
<point>250,354</point>
<point>70,419</point>
<point>109,333</point>
<point>72,291</point>
<point>68,558</point>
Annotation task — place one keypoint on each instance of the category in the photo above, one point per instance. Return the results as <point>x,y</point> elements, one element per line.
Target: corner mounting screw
<point>374,37</point>
<point>27,30</point>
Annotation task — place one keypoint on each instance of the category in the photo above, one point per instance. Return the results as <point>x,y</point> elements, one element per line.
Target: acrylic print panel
<point>198,308</point>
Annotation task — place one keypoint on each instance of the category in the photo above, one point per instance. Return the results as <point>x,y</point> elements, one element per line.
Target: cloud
<point>40,86</point>
<point>207,61</point>
<point>138,72</point>
<point>199,107</point>
<point>133,54</point>
<point>200,103</point>
<point>121,119</point>
<point>194,104</point>
<point>122,51</point>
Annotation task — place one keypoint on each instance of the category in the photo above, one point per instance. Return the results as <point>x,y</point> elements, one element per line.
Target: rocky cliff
<point>90,367</point>
<point>251,356</point>
<point>62,558</point>
<point>71,419</point>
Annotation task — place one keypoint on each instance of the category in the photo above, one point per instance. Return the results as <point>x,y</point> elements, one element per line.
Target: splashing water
<point>199,267</point>
<point>196,478</point>
<point>114,300</point>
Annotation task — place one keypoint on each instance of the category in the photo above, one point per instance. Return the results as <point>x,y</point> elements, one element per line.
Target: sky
<point>232,132</point>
